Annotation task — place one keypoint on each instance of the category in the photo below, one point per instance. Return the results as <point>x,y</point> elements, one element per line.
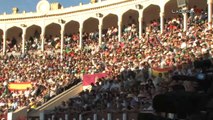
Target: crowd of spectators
<point>48,78</point>
<point>129,85</point>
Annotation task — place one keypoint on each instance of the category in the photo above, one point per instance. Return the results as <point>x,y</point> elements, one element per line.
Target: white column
<point>119,28</point>
<point>80,35</point>
<point>109,116</point>
<point>66,117</point>
<point>140,21</point>
<point>53,117</point>
<point>23,40</point>
<point>209,14</point>
<point>95,116</point>
<point>124,116</point>
<point>42,37</point>
<point>10,116</point>
<point>185,19</point>
<point>4,41</point>
<point>100,32</point>
<point>62,39</point>
<point>80,117</point>
<point>162,21</point>
<point>41,115</point>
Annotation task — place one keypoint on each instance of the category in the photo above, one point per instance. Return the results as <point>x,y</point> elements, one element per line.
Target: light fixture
<point>99,15</point>
<point>23,25</point>
<point>182,3</point>
<point>61,21</point>
<point>138,6</point>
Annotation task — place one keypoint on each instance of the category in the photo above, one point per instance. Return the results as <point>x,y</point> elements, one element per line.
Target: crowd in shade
<point>129,84</point>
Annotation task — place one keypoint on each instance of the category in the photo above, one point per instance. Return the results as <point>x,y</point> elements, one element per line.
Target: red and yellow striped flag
<point>156,71</point>
<point>20,86</point>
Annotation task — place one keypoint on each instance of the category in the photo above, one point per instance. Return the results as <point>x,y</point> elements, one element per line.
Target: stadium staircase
<point>56,101</point>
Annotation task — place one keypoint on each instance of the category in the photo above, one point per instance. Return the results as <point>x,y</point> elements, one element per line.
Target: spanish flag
<point>156,71</point>
<point>19,86</point>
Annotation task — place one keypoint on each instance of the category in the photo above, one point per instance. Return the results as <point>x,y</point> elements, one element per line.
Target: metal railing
<point>100,115</point>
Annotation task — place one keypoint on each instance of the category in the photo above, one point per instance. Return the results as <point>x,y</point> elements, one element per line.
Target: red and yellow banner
<point>20,86</point>
<point>156,71</point>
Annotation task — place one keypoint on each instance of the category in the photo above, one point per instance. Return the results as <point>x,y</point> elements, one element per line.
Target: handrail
<point>114,115</point>
<point>57,97</point>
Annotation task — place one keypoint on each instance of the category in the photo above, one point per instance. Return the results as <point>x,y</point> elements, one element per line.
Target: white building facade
<point>90,18</point>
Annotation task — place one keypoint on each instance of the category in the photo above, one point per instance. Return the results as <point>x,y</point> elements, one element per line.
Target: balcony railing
<point>101,115</point>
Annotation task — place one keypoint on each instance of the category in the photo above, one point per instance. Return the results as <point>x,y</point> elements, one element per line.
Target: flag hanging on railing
<point>19,86</point>
<point>156,71</point>
<point>91,78</point>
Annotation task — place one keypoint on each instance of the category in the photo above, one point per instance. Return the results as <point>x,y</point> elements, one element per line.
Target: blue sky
<point>30,5</point>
